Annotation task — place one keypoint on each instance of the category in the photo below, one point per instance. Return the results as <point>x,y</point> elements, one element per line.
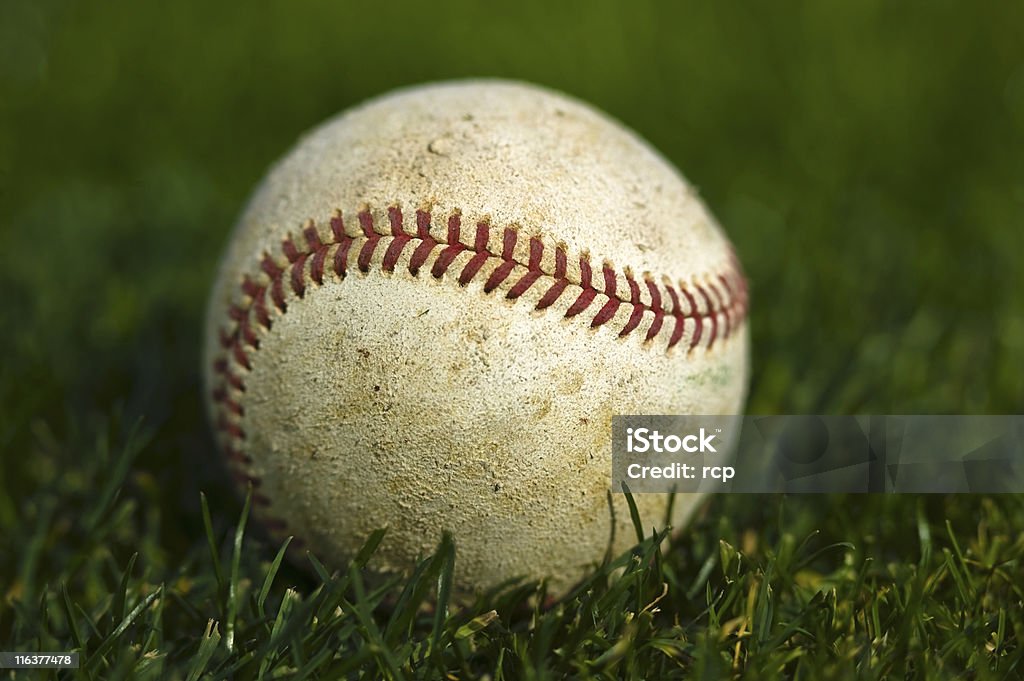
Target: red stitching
<point>250,287</point>
<point>394,252</point>
<point>659,312</point>
<point>695,316</point>
<point>725,312</point>
<point>238,352</point>
<point>298,275</point>
<point>587,296</point>
<point>312,238</point>
<point>305,263</point>
<point>585,273</point>
<point>277,293</point>
<point>270,267</point>
<point>606,313</point>
<point>677,331</point>
<point>262,314</point>
<point>423,224</point>
<point>341,257</point>
<point>338,227</point>
<point>289,249</point>
<point>712,314</point>
<point>638,308</point>
<point>553,293</point>
<point>395,218</point>
<point>536,254</point>
<point>316,270</point>
<point>560,263</point>
<point>372,239</point>
<point>499,275</point>
<point>478,260</point>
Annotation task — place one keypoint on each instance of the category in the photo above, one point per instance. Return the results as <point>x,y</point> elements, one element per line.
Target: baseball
<point>431,308</point>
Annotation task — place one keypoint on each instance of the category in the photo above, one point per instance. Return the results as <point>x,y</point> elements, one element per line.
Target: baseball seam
<point>714,306</point>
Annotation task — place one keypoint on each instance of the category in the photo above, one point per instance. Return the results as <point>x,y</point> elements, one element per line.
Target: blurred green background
<point>865,158</point>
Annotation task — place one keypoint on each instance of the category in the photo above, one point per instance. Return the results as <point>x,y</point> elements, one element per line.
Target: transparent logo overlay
<point>818,454</point>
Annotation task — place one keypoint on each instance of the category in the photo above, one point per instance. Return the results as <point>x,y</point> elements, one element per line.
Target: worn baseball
<point>429,312</point>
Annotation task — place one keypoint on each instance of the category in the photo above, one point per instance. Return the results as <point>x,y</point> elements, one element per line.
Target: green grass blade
<point>382,652</point>
<point>69,614</point>
<point>207,647</point>
<point>370,546</point>
<point>283,613</point>
<point>211,542</point>
<point>236,557</point>
<point>924,536</point>
<point>121,628</point>
<point>634,513</point>
<point>114,479</point>
<point>271,574</point>
<point>118,610</point>
<point>318,567</point>
<point>412,596</point>
<point>476,625</point>
<point>446,553</point>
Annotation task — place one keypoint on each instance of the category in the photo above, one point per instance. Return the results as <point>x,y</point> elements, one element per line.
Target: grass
<point>930,589</point>
<point>864,159</point>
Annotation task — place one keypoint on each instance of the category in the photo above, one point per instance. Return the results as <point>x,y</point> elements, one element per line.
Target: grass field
<point>865,158</point>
